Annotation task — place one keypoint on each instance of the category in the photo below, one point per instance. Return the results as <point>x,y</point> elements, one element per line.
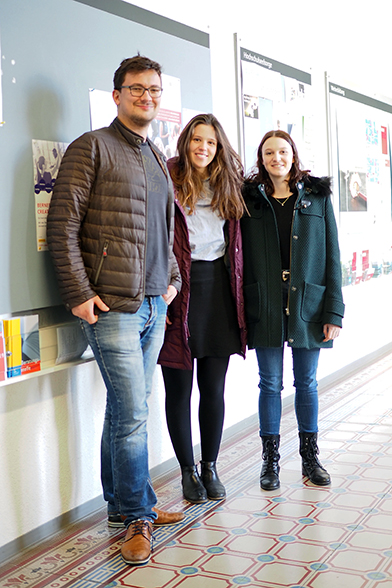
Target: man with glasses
<point>110,234</point>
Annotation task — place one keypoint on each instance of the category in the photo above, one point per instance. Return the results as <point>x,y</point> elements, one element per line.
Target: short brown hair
<point>137,63</point>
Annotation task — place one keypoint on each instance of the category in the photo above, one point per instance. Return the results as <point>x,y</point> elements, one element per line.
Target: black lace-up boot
<point>311,467</point>
<point>269,475</point>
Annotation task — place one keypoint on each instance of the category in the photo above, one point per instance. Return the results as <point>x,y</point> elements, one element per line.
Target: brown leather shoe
<point>136,548</point>
<point>167,518</point>
<point>116,520</point>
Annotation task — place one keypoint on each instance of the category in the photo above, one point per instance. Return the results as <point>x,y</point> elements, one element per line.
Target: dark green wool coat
<point>315,295</point>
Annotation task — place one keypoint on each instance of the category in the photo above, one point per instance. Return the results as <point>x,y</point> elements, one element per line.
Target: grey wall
<point>53,51</point>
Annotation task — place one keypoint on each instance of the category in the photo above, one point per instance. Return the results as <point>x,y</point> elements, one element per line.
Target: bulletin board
<point>272,95</point>
<point>360,152</point>
<point>53,53</point>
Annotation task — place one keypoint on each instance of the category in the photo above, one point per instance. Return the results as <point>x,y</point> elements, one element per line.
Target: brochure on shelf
<point>71,343</point>
<point>31,355</point>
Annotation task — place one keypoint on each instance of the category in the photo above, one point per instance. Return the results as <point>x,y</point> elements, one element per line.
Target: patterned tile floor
<point>300,536</point>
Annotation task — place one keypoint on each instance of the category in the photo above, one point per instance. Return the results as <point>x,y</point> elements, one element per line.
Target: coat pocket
<point>101,259</point>
<point>313,303</point>
<point>252,302</point>
<point>117,269</point>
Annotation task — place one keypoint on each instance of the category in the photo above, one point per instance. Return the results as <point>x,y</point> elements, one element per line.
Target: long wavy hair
<point>260,175</point>
<point>225,172</point>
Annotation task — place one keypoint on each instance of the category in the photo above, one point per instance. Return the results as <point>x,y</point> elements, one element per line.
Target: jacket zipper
<point>291,246</point>
<point>146,225</point>
<point>262,191</point>
<point>103,257</point>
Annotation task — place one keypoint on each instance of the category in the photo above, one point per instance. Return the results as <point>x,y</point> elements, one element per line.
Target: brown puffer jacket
<point>97,220</point>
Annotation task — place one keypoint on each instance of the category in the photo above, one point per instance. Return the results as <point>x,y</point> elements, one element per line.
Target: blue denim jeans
<point>126,348</point>
<point>305,362</point>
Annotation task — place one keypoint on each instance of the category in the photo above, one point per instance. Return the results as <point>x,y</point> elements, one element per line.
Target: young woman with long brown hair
<point>205,322</point>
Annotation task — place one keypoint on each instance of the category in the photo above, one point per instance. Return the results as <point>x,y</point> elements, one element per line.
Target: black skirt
<point>212,318</point>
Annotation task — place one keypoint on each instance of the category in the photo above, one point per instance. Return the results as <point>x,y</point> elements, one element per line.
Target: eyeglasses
<point>138,91</point>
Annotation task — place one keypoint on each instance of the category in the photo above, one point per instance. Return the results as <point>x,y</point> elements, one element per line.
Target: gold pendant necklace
<point>284,201</point>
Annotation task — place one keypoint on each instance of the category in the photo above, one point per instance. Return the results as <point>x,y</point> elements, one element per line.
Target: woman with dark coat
<point>206,324</point>
<point>292,290</point>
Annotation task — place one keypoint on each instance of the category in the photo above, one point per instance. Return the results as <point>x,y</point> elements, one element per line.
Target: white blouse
<point>205,228</point>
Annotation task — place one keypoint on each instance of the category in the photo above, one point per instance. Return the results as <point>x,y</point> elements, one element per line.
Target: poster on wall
<point>274,96</point>
<point>164,129</point>
<point>361,166</point>
<point>47,156</point>
<point>102,108</point>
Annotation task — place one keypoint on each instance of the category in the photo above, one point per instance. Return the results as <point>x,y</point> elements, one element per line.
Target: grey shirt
<point>157,255</point>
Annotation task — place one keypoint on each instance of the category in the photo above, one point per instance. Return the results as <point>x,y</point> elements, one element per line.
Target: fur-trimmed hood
<point>321,186</point>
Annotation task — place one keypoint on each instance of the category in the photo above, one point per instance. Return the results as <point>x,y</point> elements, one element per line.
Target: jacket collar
<point>132,138</point>
<point>300,187</point>
<point>136,140</point>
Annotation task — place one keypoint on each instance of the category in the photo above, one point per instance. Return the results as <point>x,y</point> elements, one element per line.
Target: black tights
<point>211,374</point>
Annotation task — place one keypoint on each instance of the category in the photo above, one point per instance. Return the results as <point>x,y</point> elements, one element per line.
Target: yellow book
<point>3,360</point>
<point>13,346</point>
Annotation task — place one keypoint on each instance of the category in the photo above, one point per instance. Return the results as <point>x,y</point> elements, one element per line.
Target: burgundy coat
<point>175,352</point>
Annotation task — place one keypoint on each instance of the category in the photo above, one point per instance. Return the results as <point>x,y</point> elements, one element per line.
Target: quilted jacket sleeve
<point>66,213</point>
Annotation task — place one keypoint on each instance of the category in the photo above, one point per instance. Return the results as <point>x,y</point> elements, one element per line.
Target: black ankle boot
<point>192,487</point>
<point>269,475</point>
<point>211,482</point>
<point>311,467</point>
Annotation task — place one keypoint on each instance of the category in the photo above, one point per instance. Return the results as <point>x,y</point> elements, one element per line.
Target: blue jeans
<point>126,348</point>
<point>305,362</point>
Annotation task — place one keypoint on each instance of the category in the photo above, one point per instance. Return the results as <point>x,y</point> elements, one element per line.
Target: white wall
<point>349,40</point>
<point>50,426</point>
<point>49,437</point>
